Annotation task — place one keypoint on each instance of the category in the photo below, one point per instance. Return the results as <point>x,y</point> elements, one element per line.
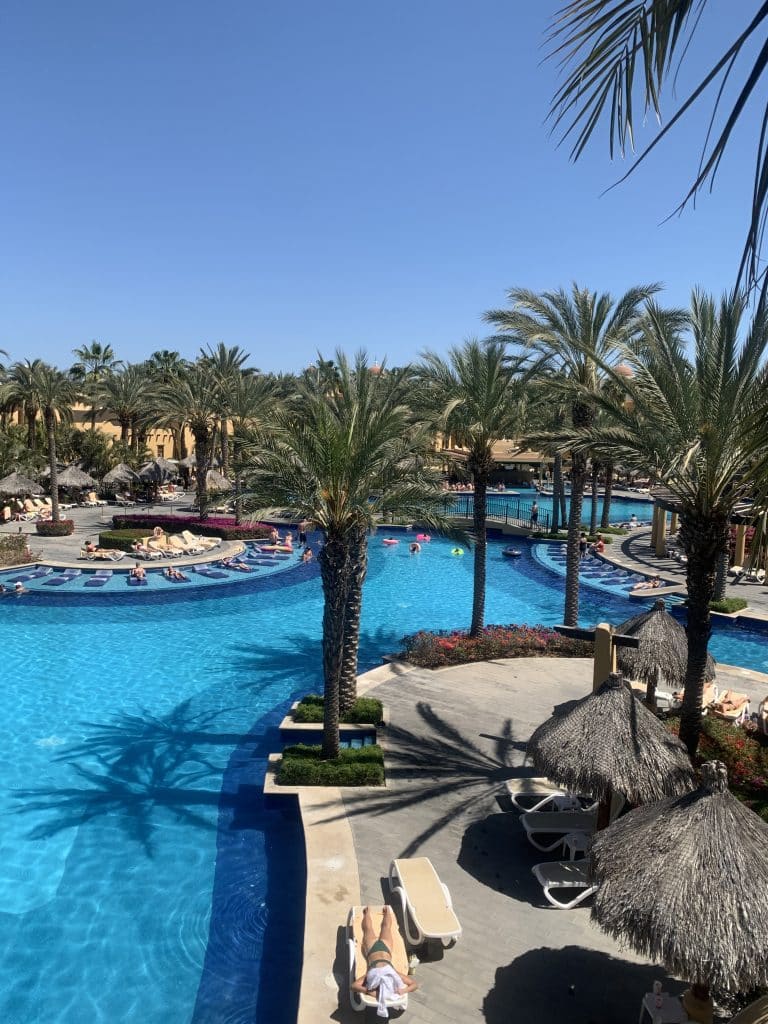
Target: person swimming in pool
<point>381,979</point>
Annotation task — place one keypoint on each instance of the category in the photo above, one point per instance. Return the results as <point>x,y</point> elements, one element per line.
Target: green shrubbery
<point>434,650</point>
<point>366,710</point>
<point>728,605</point>
<point>61,528</point>
<point>13,549</point>
<point>302,766</point>
<point>120,539</point>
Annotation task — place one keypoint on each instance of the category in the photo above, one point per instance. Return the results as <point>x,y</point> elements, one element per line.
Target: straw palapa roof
<point>217,481</point>
<point>157,470</point>
<point>17,483</point>
<point>74,477</point>
<point>663,648</point>
<point>121,474</point>
<point>685,882</point>
<point>608,742</point>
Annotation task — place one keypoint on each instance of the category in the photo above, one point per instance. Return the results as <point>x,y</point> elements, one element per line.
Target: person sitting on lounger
<point>138,572</point>
<point>174,574</point>
<point>651,584</point>
<point>19,588</point>
<point>381,980</point>
<point>234,563</point>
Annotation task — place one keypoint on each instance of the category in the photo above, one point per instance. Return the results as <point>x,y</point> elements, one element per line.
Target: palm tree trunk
<point>31,417</point>
<point>125,425</point>
<point>721,575</point>
<point>703,541</point>
<point>593,506</point>
<point>333,560</point>
<point>573,557</point>
<point>605,520</point>
<point>203,455</point>
<point>357,569</point>
<point>563,509</point>
<point>557,489</point>
<point>50,431</point>
<point>93,417</point>
<point>224,442</point>
<point>479,513</point>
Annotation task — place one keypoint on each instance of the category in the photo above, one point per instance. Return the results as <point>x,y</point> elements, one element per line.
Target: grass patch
<point>365,710</point>
<point>302,766</point>
<point>728,605</point>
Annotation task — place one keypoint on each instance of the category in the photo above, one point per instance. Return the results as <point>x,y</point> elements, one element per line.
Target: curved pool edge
<point>332,873</point>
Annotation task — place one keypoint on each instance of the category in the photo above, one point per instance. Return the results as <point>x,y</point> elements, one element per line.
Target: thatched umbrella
<point>697,898</point>
<point>663,650</point>
<point>157,471</point>
<point>17,483</point>
<point>75,478</point>
<point>216,481</point>
<point>122,476</point>
<point>608,742</point>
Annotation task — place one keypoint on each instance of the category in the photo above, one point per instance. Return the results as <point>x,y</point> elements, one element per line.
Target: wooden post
<point>661,534</point>
<point>673,524</point>
<point>605,655</point>
<point>654,525</point>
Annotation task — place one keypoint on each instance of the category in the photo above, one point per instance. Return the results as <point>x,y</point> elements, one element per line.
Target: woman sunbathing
<point>651,584</point>
<point>381,979</point>
<point>232,563</point>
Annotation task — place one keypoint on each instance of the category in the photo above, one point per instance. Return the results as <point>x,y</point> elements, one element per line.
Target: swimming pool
<point>142,877</point>
<point>621,508</point>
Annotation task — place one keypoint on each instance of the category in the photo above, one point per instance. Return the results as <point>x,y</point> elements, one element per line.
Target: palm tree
<point>95,361</point>
<point>697,426</point>
<point>194,399</point>
<point>574,335</point>
<point>55,393</point>
<point>252,400</point>
<point>342,459</point>
<point>126,396</point>
<point>226,364</point>
<point>164,368</point>
<point>474,396</point>
<point>605,53</point>
<point>22,395</point>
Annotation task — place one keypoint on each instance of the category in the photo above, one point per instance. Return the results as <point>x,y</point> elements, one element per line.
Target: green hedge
<point>728,605</point>
<point>120,539</point>
<point>61,528</point>
<point>302,766</point>
<point>364,710</point>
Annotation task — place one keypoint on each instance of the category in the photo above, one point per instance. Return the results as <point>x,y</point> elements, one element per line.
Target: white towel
<point>388,982</point>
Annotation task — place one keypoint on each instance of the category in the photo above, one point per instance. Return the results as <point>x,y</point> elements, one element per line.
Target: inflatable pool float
<point>423,537</point>
<point>511,553</point>
<point>389,541</point>
<point>457,551</point>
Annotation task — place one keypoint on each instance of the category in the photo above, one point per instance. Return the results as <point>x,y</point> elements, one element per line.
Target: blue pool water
<point>142,877</point>
<point>621,508</point>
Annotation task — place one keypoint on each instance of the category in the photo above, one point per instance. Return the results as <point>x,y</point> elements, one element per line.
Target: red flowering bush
<point>434,650</point>
<point>60,528</point>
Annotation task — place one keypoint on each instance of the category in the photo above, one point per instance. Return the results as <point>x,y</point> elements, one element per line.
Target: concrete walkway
<point>454,738</point>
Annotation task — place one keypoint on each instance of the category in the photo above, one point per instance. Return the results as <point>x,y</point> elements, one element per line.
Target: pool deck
<point>455,736</point>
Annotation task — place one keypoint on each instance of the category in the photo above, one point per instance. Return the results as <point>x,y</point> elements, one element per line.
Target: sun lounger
<point>357,962</point>
<point>762,716</point>
<point>731,706</point>
<point>426,902</point>
<point>136,581</point>
<point>538,794</point>
<point>33,574</point>
<point>99,578</point>
<point>564,874</point>
<point>178,544</point>
<point>755,1013</point>
<point>205,542</point>
<point>545,829</point>
<point>63,577</point>
<point>211,574</point>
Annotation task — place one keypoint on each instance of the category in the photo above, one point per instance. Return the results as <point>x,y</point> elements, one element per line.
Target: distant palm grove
<point>604,386</point>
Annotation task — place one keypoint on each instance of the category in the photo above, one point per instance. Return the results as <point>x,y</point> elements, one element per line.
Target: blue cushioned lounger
<point>99,578</point>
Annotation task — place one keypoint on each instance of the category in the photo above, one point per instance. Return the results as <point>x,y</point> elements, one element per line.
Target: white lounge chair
<point>426,901</point>
<point>538,794</point>
<point>357,962</point>
<point>565,874</point>
<point>755,1013</point>
<point>554,825</point>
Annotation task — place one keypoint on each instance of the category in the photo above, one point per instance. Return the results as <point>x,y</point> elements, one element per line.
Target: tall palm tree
<point>699,427</point>
<point>474,396</point>
<point>342,459</point>
<point>573,334</point>
<point>22,395</point>
<point>227,366</point>
<point>126,396</point>
<point>56,393</point>
<point>195,399</point>
<point>95,361</point>
<point>164,368</point>
<point>252,401</point>
<point>610,52</point>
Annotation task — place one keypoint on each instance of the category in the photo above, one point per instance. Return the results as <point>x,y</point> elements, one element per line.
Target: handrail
<point>506,509</point>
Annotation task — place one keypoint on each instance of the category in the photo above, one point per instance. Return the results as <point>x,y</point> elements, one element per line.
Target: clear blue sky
<point>298,176</point>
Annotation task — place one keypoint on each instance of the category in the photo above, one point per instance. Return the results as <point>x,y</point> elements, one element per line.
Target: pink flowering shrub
<point>434,650</point>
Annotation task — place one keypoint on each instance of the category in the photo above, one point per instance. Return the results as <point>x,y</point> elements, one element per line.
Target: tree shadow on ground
<point>135,767</point>
<point>573,984</point>
<point>494,853</point>
<point>440,763</point>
